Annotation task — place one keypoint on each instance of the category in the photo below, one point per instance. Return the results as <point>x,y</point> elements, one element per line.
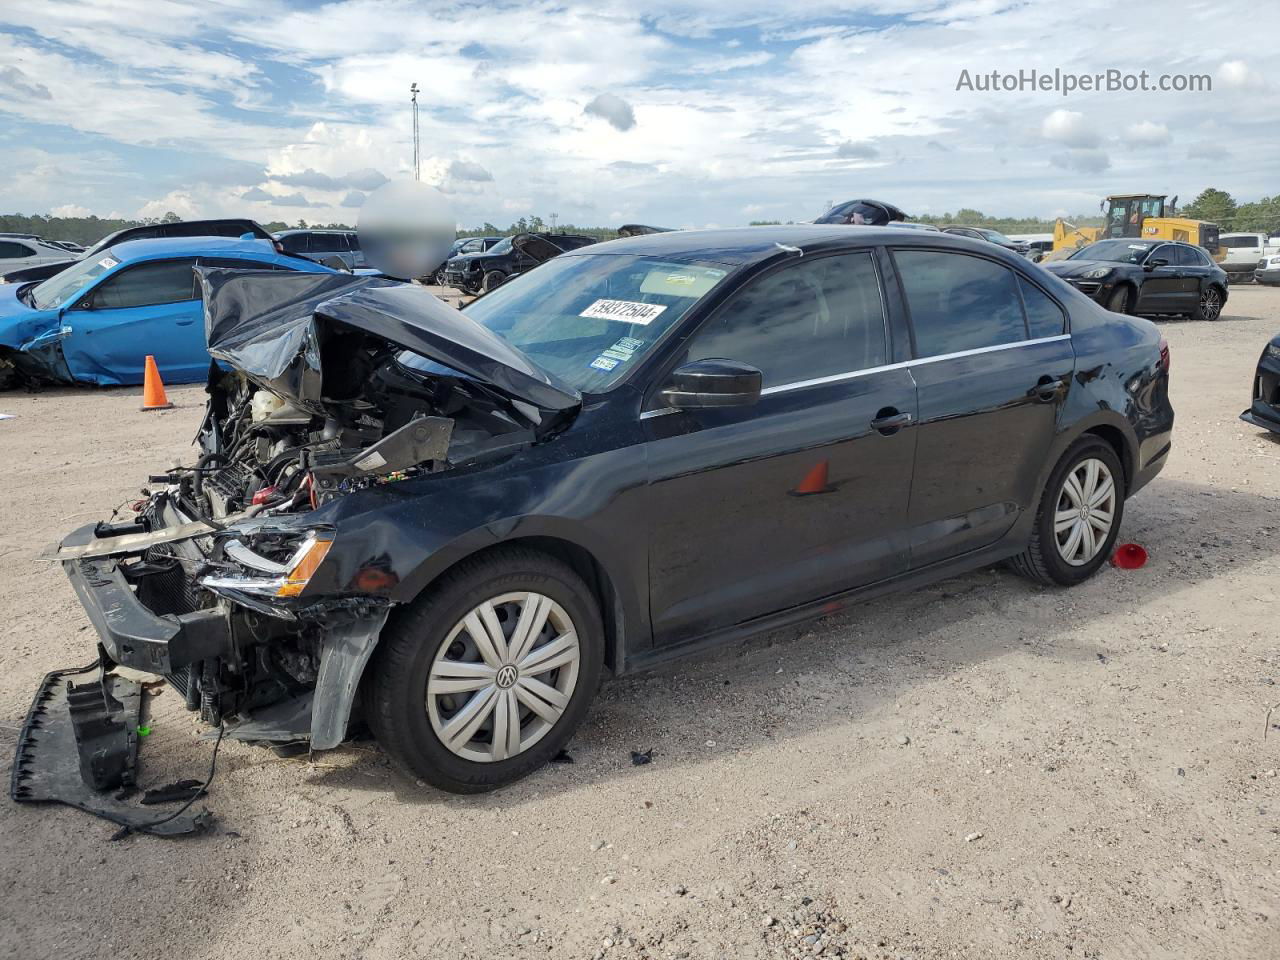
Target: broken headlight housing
<point>273,566</point>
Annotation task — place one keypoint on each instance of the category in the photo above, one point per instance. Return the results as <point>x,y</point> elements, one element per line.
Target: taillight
<point>1164,354</point>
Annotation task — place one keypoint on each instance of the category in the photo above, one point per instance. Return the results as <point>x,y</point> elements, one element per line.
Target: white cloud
<point>1148,134</point>
<point>1081,160</point>
<point>1237,75</point>
<point>1069,127</point>
<point>71,210</point>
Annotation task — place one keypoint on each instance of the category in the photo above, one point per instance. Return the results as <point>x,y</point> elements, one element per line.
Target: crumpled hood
<point>19,323</point>
<point>272,326</point>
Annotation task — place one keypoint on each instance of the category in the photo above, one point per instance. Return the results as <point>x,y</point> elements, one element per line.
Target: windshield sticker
<point>604,363</point>
<point>691,282</point>
<point>625,311</point>
<point>108,262</point>
<point>1137,246</point>
<point>624,349</point>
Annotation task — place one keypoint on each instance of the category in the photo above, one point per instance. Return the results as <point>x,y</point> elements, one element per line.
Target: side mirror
<point>1157,262</point>
<point>712,383</point>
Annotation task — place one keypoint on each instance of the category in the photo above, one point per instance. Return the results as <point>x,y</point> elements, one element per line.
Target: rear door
<point>1194,264</point>
<point>150,308</point>
<point>803,495</point>
<point>993,366</point>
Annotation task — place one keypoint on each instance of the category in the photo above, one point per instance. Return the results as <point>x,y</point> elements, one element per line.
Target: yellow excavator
<point>1142,216</point>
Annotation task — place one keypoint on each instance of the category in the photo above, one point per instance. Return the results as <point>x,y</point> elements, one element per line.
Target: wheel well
<point>581,561</point>
<point>1116,440</point>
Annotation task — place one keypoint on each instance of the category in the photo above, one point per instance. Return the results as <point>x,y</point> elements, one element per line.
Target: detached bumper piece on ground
<point>79,746</point>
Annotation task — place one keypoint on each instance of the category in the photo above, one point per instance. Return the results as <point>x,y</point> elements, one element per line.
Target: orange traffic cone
<point>815,481</point>
<point>153,397</point>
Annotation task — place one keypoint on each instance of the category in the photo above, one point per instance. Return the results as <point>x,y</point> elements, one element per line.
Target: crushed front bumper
<point>132,635</point>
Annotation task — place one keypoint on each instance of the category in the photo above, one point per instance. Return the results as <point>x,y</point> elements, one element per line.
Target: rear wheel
<point>487,676</point>
<point>1210,305</point>
<point>1079,516</point>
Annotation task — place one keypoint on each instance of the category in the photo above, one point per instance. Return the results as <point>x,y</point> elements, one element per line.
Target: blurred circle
<point>406,229</point>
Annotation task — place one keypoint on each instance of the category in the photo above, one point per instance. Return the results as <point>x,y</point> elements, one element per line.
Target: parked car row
<point>96,321</point>
<point>483,270</point>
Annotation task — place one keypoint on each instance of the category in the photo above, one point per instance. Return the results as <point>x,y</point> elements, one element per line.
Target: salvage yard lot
<point>981,768</point>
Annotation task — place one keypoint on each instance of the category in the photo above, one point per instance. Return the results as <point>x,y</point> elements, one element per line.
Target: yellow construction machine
<point>1142,216</point>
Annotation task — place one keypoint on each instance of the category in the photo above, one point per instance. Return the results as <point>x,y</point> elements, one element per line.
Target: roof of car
<point>189,247</point>
<point>741,245</point>
<point>289,233</point>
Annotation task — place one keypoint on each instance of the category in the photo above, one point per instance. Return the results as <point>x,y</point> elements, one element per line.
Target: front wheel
<point>1079,516</point>
<point>1118,302</point>
<point>492,280</point>
<point>1210,305</point>
<point>486,676</point>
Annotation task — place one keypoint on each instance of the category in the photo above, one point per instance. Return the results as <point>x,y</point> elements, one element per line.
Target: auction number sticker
<point>626,311</point>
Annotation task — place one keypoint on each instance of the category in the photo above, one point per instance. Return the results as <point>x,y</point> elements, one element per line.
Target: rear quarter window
<point>1044,317</point>
<point>959,302</point>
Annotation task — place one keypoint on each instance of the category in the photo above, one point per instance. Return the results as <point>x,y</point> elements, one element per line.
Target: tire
<point>492,280</point>
<point>1045,560</point>
<point>1210,305</point>
<point>1118,302</point>
<point>421,650</point>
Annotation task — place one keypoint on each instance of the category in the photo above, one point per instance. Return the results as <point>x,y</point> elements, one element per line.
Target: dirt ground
<point>983,768</point>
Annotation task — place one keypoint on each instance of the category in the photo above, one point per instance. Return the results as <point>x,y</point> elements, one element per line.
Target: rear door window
<point>959,302</point>
<point>11,250</point>
<point>294,243</point>
<point>806,321</point>
<point>148,284</point>
<point>1044,317</point>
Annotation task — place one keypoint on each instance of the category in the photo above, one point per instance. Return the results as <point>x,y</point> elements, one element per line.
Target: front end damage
<point>237,580</point>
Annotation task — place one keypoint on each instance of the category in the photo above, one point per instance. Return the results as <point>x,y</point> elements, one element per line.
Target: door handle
<point>1047,388</point>
<point>890,420</point>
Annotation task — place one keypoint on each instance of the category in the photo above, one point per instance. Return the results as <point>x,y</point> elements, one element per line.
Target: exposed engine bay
<point>322,387</point>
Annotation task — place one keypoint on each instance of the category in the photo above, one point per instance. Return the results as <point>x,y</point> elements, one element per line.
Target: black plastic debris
<point>174,792</point>
<point>639,759</point>
<point>562,757</point>
<point>79,746</point>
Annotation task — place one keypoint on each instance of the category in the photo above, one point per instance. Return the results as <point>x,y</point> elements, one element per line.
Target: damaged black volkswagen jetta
<point>450,524</point>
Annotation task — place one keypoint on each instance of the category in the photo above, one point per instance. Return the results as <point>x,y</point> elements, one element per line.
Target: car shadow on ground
<point>782,684</point>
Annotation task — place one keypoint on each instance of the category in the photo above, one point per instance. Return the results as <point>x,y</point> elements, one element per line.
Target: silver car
<point>324,246</point>
<point>19,252</point>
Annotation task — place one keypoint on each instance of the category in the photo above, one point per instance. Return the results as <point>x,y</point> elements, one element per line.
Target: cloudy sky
<point>609,111</point>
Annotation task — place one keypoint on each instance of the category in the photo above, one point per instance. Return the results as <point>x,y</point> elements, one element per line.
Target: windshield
<point>502,246</point>
<point>1114,251</point>
<point>61,287</point>
<point>590,319</point>
<point>995,236</point>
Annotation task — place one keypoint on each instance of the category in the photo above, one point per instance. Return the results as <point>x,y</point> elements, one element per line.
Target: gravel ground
<point>980,768</point>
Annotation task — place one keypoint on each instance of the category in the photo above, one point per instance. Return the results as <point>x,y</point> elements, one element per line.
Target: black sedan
<point>1148,277</point>
<point>641,448</point>
<point>989,235</point>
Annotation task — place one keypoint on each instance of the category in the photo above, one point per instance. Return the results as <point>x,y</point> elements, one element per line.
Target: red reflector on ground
<point>1129,556</point>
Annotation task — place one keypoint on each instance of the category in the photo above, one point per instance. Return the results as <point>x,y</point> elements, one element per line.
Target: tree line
<point>1218,206</point>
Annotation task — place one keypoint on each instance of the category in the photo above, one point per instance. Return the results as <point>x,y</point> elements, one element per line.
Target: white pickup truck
<point>1244,252</point>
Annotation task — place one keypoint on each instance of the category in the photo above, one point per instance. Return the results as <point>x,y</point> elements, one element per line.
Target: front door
<point>147,309</point>
<point>993,369</point>
<point>1163,287</point>
<point>803,495</point>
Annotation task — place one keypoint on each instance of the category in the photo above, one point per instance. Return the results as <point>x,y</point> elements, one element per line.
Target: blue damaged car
<point>97,321</point>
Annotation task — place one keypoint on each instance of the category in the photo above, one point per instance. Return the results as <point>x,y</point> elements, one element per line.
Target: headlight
<point>1272,351</point>
<point>1097,273</point>
<point>1275,262</point>
<point>286,578</point>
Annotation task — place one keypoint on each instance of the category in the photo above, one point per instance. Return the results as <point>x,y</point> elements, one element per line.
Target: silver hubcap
<point>503,677</point>
<point>1209,304</point>
<point>1085,512</point>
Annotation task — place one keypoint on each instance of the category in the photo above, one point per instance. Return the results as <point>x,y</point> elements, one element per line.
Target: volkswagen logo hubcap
<point>507,677</point>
